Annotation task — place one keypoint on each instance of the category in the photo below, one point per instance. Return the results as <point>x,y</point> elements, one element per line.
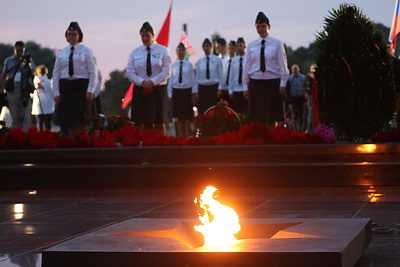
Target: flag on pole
<point>189,48</point>
<point>128,96</point>
<point>163,36</point>
<point>162,39</point>
<point>395,29</point>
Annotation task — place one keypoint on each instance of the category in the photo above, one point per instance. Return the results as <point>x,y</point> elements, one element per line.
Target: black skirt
<point>73,109</point>
<point>151,108</point>
<point>240,103</point>
<point>182,107</point>
<point>265,101</point>
<point>207,97</point>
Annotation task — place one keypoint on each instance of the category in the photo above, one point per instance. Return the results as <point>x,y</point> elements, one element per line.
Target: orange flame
<point>219,223</point>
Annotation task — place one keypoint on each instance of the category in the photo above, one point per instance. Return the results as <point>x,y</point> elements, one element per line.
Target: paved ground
<point>32,221</point>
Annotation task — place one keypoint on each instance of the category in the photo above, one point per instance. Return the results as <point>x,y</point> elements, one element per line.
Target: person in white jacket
<point>43,99</point>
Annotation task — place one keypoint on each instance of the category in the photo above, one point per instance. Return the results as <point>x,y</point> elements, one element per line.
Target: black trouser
<point>207,97</point>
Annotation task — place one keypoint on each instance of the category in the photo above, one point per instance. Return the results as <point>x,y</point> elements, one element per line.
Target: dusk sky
<point>111,28</point>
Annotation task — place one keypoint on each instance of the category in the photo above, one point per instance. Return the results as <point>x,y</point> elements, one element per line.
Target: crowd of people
<point>254,80</point>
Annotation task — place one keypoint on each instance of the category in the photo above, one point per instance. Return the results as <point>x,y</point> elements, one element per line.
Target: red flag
<point>395,29</point>
<point>189,48</point>
<point>128,96</point>
<point>163,36</point>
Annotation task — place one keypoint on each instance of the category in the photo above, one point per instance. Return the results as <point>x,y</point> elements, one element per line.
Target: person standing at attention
<point>149,67</point>
<point>208,78</point>
<point>74,80</point>
<point>236,88</point>
<point>180,87</point>
<point>265,75</point>
<point>225,56</point>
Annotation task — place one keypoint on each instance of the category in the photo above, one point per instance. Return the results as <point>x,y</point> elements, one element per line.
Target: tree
<point>302,56</point>
<point>41,56</point>
<point>5,51</point>
<point>355,89</point>
<point>115,89</point>
<point>45,56</point>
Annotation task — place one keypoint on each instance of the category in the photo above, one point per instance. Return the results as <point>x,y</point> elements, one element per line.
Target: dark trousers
<point>207,97</point>
<point>240,103</point>
<point>266,103</point>
<point>43,122</point>
<point>150,108</point>
<point>73,109</point>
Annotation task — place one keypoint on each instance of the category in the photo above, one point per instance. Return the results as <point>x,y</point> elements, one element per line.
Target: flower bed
<point>128,136</point>
<point>114,131</point>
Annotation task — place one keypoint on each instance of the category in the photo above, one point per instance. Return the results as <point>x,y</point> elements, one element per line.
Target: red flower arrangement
<point>217,120</point>
<point>220,126</point>
<point>130,136</point>
<point>387,136</point>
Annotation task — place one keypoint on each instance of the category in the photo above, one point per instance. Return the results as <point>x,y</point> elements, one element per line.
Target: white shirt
<point>216,75</point>
<point>225,65</point>
<point>97,89</point>
<point>234,85</point>
<point>84,67</point>
<point>275,61</point>
<point>160,64</point>
<point>43,101</point>
<point>188,77</point>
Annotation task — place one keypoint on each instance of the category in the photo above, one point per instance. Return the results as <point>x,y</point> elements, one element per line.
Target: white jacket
<point>43,101</point>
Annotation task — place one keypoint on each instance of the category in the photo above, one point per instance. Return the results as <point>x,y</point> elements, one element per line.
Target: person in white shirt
<point>209,78</point>
<point>225,56</point>
<point>180,89</point>
<point>149,67</point>
<point>43,102</point>
<point>265,75</point>
<point>74,80</point>
<point>97,107</point>
<point>235,86</point>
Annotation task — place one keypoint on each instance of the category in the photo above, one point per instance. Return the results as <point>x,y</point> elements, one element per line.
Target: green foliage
<point>355,90</point>
<point>5,51</point>
<point>115,89</point>
<point>302,56</point>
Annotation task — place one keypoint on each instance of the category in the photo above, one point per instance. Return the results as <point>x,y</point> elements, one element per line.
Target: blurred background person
<point>17,80</point>
<point>296,99</point>
<point>43,99</point>
<point>308,84</point>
